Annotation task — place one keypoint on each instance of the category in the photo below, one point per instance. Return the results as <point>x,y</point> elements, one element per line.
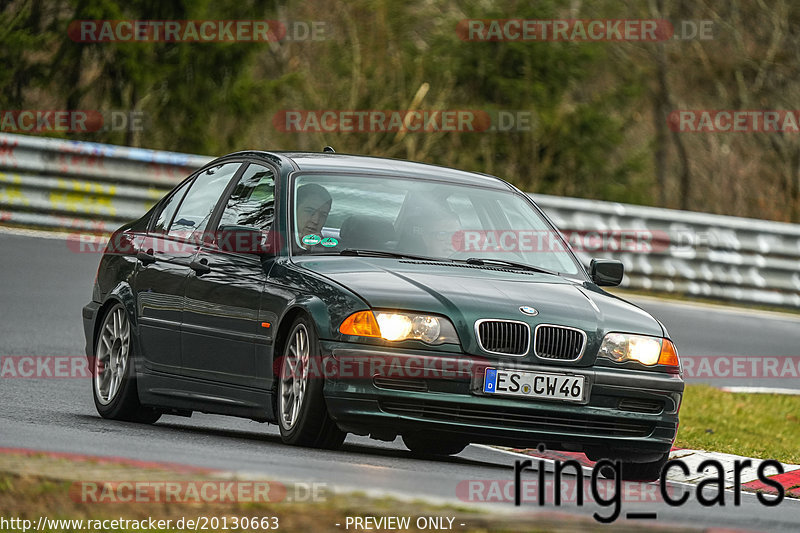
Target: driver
<point>313,205</point>
<point>438,232</point>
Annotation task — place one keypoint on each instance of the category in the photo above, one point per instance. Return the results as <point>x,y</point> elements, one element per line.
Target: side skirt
<point>179,395</point>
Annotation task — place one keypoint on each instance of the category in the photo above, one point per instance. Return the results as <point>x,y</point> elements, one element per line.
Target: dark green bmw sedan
<point>333,294</point>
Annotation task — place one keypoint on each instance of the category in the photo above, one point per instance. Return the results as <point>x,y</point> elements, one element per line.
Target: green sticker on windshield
<point>311,239</point>
<point>329,242</point>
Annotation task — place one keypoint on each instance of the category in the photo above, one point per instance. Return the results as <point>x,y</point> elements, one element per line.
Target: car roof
<point>335,162</point>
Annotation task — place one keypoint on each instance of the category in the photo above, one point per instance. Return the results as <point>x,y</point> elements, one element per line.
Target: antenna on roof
<point>329,150</point>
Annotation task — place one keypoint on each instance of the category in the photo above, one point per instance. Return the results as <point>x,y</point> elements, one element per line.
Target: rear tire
<point>113,373</point>
<point>433,445</point>
<point>303,416</point>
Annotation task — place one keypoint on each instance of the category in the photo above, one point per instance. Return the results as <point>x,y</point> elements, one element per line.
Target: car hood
<point>467,293</point>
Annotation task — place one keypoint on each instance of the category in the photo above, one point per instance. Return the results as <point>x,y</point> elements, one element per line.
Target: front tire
<point>303,416</point>
<point>644,471</point>
<point>639,471</point>
<point>113,372</point>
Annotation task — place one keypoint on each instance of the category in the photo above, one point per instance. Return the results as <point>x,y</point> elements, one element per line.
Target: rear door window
<point>198,204</point>
<point>168,210</point>
<point>252,203</point>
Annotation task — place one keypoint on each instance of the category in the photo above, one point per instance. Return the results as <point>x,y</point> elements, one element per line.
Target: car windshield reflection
<point>396,217</point>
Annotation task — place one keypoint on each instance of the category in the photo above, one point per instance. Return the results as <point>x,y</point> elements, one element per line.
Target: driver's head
<point>438,232</point>
<point>313,206</point>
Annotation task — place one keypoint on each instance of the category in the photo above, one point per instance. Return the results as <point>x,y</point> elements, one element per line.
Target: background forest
<point>599,109</point>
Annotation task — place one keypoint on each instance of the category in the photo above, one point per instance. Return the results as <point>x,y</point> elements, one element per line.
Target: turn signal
<point>668,355</point>
<point>362,323</point>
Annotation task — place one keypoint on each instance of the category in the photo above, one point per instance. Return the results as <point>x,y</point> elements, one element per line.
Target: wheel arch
<point>311,306</point>
<point>285,324</point>
<point>288,318</point>
<point>121,294</point>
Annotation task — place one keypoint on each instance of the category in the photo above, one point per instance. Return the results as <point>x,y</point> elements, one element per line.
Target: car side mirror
<point>245,240</point>
<point>606,272</point>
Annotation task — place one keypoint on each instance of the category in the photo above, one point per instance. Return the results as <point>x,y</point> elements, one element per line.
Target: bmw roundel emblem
<point>528,310</point>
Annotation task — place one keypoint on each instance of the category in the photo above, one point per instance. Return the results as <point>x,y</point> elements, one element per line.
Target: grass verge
<point>762,426</point>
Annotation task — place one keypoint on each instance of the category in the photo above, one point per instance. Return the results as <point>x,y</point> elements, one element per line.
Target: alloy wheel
<point>294,377</point>
<point>111,363</point>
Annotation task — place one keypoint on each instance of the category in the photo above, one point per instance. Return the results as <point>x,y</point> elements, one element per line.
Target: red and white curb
<point>789,479</point>
<point>748,476</point>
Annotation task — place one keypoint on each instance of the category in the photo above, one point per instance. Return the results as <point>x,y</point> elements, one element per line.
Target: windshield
<point>332,214</point>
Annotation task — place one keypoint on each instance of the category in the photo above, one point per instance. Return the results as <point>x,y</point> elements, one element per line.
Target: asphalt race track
<point>44,284</point>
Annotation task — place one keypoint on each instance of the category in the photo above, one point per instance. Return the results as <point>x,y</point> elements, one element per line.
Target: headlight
<point>399,326</point>
<point>622,347</point>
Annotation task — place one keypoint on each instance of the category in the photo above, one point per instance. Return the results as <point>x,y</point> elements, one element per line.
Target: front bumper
<point>625,413</point>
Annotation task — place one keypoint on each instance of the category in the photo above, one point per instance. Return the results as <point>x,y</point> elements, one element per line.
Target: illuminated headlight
<point>399,326</point>
<point>622,347</point>
<point>409,326</point>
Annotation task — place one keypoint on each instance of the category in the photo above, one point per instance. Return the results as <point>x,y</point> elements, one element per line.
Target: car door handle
<point>146,257</point>
<point>200,267</point>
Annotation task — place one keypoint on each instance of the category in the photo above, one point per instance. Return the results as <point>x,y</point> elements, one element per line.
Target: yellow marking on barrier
<point>156,194</point>
<point>13,178</point>
<point>86,186</point>
<point>78,202</point>
<point>12,193</point>
<point>83,197</point>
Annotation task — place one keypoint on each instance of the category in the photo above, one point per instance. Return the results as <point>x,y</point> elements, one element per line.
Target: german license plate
<point>517,383</point>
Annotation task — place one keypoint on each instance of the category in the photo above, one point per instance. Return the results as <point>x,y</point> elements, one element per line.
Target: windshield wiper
<point>478,261</point>
<point>384,253</point>
<point>512,264</point>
